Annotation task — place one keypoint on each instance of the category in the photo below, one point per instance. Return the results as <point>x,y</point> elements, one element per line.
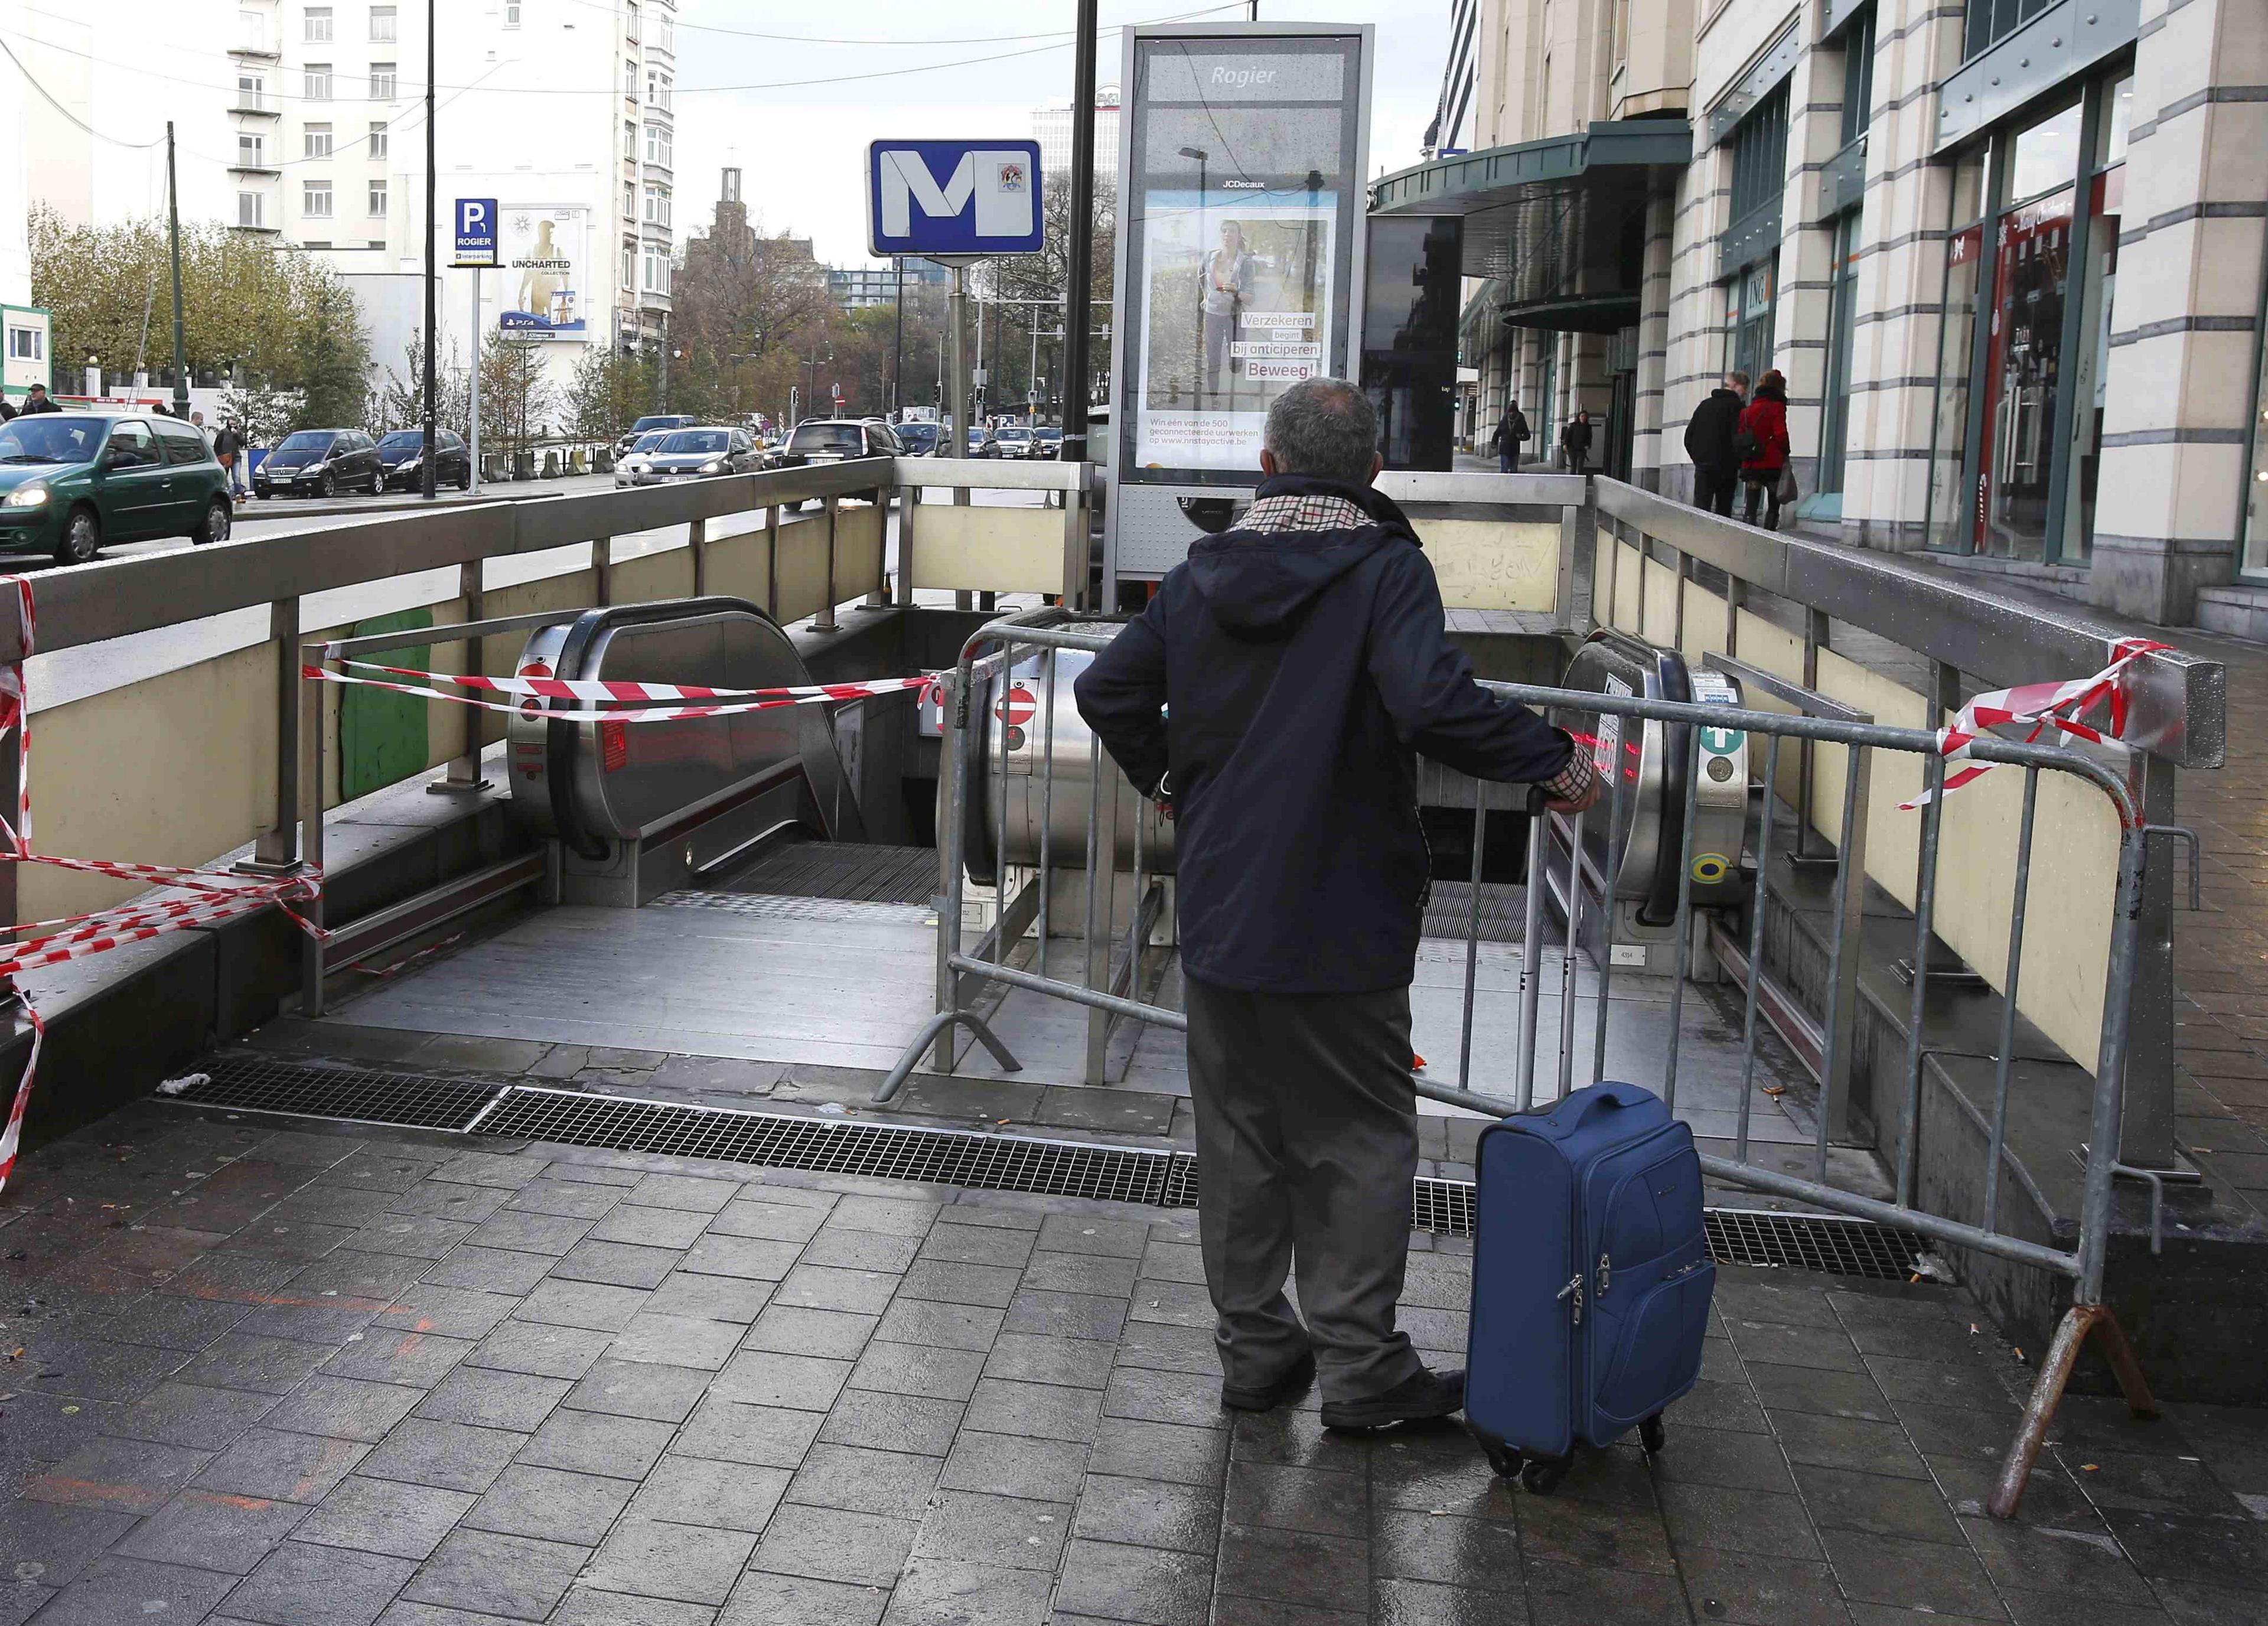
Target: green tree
<point>516,393</point>
<point>244,307</point>
<point>334,361</point>
<point>400,402</point>
<point>610,391</point>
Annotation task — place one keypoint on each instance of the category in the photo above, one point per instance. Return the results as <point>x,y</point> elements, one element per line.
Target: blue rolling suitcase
<point>1591,1279</point>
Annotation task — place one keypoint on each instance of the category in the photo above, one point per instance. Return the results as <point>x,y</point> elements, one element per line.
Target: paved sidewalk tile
<point>601,1389</point>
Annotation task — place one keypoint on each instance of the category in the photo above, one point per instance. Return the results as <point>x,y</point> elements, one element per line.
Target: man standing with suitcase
<point>1302,660</point>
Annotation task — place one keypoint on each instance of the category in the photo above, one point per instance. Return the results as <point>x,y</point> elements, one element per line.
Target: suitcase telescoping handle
<point>1583,1106</point>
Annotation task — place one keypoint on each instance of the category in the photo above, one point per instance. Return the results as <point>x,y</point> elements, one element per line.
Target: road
<point>74,674</point>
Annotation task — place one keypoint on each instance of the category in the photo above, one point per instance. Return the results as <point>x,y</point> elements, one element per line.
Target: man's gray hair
<point>1323,427</point>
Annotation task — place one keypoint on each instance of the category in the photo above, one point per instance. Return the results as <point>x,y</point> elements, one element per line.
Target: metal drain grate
<point>829,1145</point>
<point>985,1162</point>
<point>250,1083</point>
<point>1812,1242</point>
<point>1445,1206</point>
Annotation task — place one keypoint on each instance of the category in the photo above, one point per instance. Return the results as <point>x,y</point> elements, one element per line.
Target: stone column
<point>2184,344</point>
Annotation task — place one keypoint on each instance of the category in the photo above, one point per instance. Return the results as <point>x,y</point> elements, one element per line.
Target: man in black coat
<point>1274,695</point>
<point>1709,443</point>
<point>35,400</point>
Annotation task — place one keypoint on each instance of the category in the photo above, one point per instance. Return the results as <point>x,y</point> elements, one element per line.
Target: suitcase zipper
<point>1574,1289</point>
<point>1606,1268</point>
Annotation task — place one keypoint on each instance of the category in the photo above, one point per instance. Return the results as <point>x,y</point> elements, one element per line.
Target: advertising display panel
<point>546,262</point>
<point>1239,271</point>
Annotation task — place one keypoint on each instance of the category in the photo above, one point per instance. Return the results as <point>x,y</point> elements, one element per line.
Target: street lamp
<point>1197,350</point>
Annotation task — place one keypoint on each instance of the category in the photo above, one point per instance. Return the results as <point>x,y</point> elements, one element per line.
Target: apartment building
<point>2009,256</point>
<point>1051,128</point>
<point>301,122</point>
<point>862,287</point>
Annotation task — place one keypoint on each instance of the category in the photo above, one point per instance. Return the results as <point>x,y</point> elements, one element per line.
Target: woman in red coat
<point>1762,439</point>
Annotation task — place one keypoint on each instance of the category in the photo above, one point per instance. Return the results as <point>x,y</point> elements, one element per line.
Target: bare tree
<point>1043,276</point>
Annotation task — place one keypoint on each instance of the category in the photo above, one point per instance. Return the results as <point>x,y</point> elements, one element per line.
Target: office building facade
<point>2009,257</point>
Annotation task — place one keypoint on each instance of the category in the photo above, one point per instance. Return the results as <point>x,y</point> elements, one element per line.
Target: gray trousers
<point>1306,1143</point>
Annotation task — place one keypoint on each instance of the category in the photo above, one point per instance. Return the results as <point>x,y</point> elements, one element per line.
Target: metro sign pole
<point>956,203</point>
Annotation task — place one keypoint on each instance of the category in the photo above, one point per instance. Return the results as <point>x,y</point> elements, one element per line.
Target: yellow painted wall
<point>991,550</point>
<point>179,767</point>
<point>1485,564</point>
<point>2067,921</point>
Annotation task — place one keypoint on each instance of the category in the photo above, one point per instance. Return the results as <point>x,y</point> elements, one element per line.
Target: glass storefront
<point>1842,329</point>
<point>1748,319</point>
<point>2016,478</point>
<point>2255,465</point>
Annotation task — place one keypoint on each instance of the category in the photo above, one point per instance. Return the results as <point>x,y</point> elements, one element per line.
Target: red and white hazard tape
<point>217,894</point>
<point>531,686</point>
<point>2047,707</point>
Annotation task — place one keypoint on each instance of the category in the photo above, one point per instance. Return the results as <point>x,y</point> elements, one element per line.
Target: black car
<point>831,440</point>
<point>321,462</point>
<point>401,453</point>
<point>919,439</point>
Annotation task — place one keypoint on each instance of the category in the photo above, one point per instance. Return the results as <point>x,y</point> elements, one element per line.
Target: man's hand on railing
<point>1575,788</point>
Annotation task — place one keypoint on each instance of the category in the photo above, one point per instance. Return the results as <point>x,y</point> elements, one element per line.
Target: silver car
<point>702,453</point>
<point>633,467</point>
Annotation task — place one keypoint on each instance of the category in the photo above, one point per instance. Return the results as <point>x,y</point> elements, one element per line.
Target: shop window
<point>1748,301</point>
<point>1842,329</point>
<point>1964,263</point>
<point>2029,289</point>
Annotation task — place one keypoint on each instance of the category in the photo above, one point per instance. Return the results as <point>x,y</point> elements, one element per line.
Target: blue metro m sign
<point>941,198</point>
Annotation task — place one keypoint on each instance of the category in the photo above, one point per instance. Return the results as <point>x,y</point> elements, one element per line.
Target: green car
<point>72,482</point>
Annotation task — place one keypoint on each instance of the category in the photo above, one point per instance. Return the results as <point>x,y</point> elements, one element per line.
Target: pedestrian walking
<point>1575,441</point>
<point>1512,433</point>
<point>228,450</point>
<point>1302,659</point>
<point>1761,442</point>
<point>1708,443</point>
<point>35,400</point>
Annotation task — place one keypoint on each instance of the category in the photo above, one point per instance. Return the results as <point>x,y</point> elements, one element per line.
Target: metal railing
<point>1109,987</point>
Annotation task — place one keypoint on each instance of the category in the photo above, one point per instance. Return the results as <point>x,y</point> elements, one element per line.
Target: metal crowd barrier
<point>977,737</point>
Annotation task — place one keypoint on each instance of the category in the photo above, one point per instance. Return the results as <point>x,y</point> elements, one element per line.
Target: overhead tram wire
<point>32,80</point>
<point>615,91</point>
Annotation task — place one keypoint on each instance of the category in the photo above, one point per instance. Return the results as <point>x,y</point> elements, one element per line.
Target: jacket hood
<point>1255,583</point>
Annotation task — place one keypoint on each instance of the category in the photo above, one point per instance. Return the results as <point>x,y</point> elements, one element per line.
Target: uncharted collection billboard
<point>546,262</point>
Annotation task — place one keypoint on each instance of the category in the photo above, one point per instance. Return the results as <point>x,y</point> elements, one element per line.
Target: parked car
<point>321,462</point>
<point>71,483</point>
<point>632,467</point>
<point>650,422</point>
<point>401,453</point>
<point>700,454</point>
<point>919,439</point>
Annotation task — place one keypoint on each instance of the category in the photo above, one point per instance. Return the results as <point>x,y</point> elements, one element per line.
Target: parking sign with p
<point>477,233</point>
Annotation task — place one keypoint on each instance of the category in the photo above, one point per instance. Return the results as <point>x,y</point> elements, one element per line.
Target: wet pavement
<point>320,1375</point>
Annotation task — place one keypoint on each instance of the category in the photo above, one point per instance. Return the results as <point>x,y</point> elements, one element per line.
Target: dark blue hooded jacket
<point>1303,671</point>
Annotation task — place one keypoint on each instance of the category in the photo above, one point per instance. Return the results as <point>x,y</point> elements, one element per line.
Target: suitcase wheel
<point>1542,1474</point>
<point>1650,1435</point>
<point>1503,1460</point>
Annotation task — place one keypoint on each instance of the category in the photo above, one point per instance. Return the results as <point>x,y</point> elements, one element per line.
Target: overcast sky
<point>800,147</point>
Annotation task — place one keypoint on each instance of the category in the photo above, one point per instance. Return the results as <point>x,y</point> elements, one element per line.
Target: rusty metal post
<point>464,775</point>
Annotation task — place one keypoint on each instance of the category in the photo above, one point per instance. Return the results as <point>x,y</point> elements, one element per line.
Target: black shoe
<point>1421,1396</point>
<point>1267,1397</point>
